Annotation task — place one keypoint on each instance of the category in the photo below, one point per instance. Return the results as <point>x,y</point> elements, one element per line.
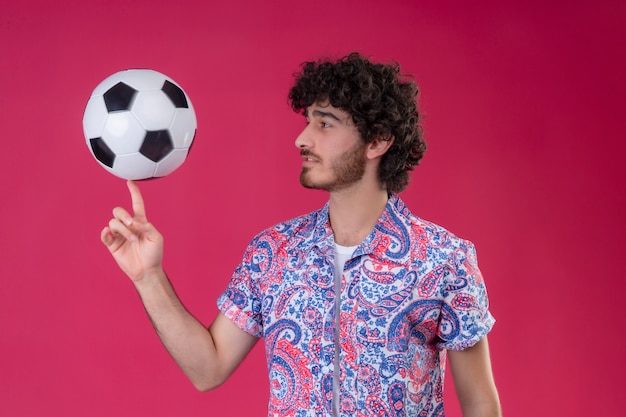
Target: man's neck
<point>353,212</point>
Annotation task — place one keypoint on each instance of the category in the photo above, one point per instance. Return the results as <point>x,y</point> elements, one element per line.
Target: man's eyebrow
<point>319,113</point>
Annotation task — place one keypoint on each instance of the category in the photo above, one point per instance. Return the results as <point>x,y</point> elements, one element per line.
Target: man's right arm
<point>207,356</point>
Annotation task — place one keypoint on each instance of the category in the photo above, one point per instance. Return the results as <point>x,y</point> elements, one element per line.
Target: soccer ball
<point>139,124</point>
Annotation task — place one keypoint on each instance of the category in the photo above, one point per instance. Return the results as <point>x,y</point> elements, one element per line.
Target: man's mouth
<point>309,157</point>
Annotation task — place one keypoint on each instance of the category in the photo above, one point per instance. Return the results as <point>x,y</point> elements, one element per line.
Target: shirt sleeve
<point>241,301</point>
<point>465,318</point>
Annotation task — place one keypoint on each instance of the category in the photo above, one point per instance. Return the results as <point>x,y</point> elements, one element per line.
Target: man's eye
<point>324,124</point>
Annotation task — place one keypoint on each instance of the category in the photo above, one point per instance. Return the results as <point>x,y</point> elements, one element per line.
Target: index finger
<point>139,209</point>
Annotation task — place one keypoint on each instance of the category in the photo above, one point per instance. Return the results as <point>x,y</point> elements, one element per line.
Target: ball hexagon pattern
<point>139,124</point>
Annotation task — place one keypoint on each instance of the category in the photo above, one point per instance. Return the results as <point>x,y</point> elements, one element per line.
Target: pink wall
<point>524,110</point>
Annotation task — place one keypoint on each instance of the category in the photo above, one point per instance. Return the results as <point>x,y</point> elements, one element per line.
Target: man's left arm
<point>473,380</point>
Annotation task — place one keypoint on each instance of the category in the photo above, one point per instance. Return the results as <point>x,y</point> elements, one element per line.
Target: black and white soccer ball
<point>139,124</point>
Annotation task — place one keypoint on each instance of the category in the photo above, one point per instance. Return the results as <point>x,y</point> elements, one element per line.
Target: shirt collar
<point>389,239</point>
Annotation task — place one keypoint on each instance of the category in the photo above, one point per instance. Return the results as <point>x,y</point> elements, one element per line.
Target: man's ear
<point>379,146</point>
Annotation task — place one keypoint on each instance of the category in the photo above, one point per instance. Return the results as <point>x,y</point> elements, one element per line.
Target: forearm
<point>189,343</point>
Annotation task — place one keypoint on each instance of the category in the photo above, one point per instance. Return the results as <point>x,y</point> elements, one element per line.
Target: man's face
<point>333,153</point>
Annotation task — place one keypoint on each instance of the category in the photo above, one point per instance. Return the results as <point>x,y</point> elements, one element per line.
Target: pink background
<point>524,116</point>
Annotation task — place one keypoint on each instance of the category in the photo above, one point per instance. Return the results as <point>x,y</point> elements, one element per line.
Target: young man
<point>359,301</point>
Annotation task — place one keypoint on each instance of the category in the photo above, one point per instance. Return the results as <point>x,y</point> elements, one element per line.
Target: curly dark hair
<point>380,100</point>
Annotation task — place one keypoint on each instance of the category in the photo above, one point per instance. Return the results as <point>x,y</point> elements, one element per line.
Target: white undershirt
<point>342,254</point>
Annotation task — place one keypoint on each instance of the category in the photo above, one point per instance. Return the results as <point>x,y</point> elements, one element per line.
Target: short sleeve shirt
<point>410,291</point>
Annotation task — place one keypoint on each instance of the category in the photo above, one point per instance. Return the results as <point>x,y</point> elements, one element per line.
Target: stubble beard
<point>348,168</point>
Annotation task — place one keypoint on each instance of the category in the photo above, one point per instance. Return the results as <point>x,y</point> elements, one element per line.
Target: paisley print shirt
<point>410,291</point>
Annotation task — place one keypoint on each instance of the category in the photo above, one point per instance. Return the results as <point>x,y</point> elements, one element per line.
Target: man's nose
<point>303,141</point>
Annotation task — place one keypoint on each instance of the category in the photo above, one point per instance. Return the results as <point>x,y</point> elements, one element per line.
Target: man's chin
<point>306,182</point>
<point>310,186</point>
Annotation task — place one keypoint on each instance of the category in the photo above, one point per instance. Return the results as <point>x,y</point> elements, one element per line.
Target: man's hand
<point>136,245</point>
